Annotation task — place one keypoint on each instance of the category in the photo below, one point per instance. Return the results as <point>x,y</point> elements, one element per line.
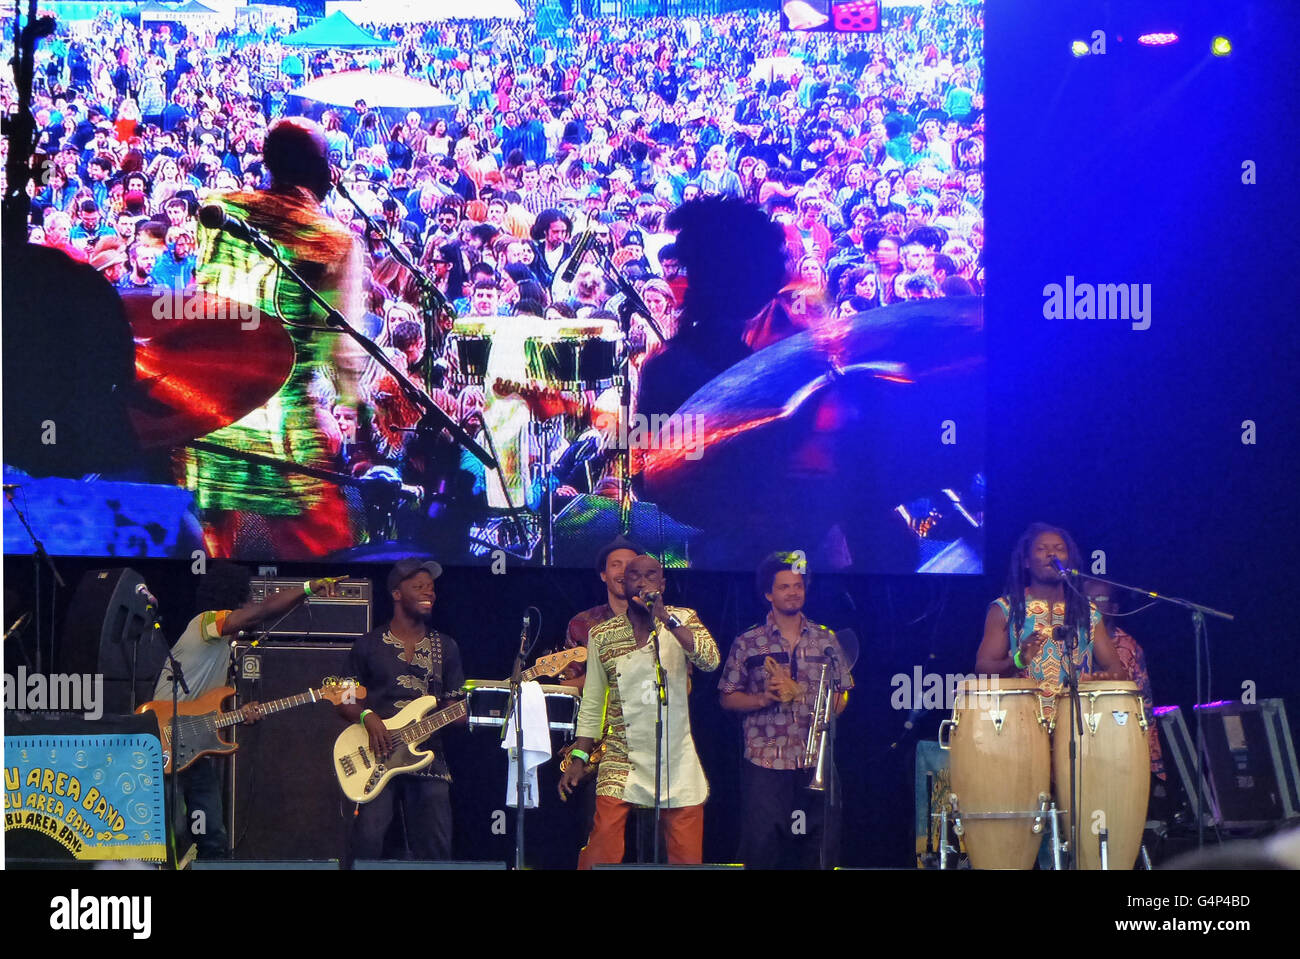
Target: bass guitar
<point>362,775</point>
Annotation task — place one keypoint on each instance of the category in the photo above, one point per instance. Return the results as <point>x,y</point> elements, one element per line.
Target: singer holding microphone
<point>224,599</point>
<point>1024,630</point>
<point>248,508</point>
<point>620,698</point>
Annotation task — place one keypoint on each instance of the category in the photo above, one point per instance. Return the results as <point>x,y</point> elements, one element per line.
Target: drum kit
<point>1010,774</point>
<point>563,356</point>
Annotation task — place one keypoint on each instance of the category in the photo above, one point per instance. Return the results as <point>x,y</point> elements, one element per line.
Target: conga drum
<point>1000,771</point>
<point>473,345</point>
<point>1114,771</point>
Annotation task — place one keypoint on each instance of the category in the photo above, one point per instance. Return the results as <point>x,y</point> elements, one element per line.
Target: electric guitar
<point>198,721</point>
<point>362,775</point>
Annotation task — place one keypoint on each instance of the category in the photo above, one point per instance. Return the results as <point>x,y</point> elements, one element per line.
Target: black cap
<point>618,542</point>
<point>404,569</point>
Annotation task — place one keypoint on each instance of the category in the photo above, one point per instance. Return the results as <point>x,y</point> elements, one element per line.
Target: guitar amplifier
<point>342,616</point>
<point>282,799</point>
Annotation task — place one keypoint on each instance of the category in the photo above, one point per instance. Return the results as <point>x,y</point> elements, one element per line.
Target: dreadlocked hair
<point>1077,615</point>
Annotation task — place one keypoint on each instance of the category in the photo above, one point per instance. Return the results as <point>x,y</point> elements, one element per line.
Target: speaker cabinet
<point>109,630</point>
<point>283,801</point>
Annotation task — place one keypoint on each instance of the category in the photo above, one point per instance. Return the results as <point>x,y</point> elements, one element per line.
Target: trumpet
<point>823,714</point>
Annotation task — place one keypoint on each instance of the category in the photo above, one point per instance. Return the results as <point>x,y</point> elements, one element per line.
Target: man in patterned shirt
<point>610,561</point>
<point>398,664</point>
<point>620,697</point>
<point>773,778</point>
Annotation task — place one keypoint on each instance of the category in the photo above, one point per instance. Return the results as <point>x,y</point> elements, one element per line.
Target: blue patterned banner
<point>99,796</point>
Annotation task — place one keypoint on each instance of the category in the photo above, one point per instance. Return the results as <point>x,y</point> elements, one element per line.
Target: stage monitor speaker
<point>1251,762</point>
<point>109,630</point>
<point>226,865</point>
<point>283,800</point>
<point>1180,750</point>
<point>373,864</point>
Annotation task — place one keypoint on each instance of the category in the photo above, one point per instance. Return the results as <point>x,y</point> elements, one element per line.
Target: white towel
<point>537,744</point>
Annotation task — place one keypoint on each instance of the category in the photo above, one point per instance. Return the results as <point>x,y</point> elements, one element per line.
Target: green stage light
<point>1221,46</point>
<point>1079,48</point>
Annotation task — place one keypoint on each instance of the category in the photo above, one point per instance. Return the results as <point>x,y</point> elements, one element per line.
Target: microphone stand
<point>432,297</point>
<point>829,798</point>
<point>39,557</point>
<point>428,289</point>
<point>1069,640</point>
<point>178,683</point>
<point>516,693</point>
<point>631,305</point>
<point>338,324</point>
<point>1200,640</point>
<point>152,612</point>
<point>661,703</point>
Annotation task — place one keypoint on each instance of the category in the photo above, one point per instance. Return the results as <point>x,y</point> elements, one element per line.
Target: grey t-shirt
<point>204,656</point>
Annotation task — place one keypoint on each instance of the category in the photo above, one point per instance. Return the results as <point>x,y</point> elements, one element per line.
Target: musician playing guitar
<point>398,663</point>
<point>203,652</point>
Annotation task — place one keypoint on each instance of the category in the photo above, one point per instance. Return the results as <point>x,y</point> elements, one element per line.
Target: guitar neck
<point>425,728</point>
<point>238,716</point>
<point>444,717</point>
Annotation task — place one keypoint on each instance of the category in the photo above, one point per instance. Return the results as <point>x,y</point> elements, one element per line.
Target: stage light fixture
<point>1221,46</point>
<point>1158,39</point>
<point>1079,48</point>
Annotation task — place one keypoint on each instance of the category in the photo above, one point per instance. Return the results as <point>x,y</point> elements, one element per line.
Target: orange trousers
<point>683,833</point>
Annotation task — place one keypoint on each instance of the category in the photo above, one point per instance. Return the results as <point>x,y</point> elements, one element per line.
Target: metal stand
<point>661,702</point>
<point>517,708</point>
<point>1070,642</point>
<point>542,431</point>
<point>1200,640</point>
<point>39,558</point>
<point>431,413</point>
<point>178,683</point>
<point>632,305</point>
<point>433,301</point>
<point>1056,837</point>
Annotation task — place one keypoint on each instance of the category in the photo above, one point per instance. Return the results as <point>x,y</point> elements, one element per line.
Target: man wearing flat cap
<point>398,663</point>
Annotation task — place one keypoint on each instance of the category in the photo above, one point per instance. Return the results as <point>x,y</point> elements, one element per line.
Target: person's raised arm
<point>277,604</point>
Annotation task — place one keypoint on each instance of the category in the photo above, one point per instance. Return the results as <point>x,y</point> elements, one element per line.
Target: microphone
<point>1062,570</point>
<point>10,487</point>
<point>143,590</point>
<point>215,218</point>
<point>650,598</point>
<point>575,259</point>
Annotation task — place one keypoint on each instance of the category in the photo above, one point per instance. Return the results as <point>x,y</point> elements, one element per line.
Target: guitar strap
<point>435,661</point>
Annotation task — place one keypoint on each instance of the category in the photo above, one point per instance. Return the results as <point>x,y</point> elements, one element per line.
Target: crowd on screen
<point>867,149</point>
